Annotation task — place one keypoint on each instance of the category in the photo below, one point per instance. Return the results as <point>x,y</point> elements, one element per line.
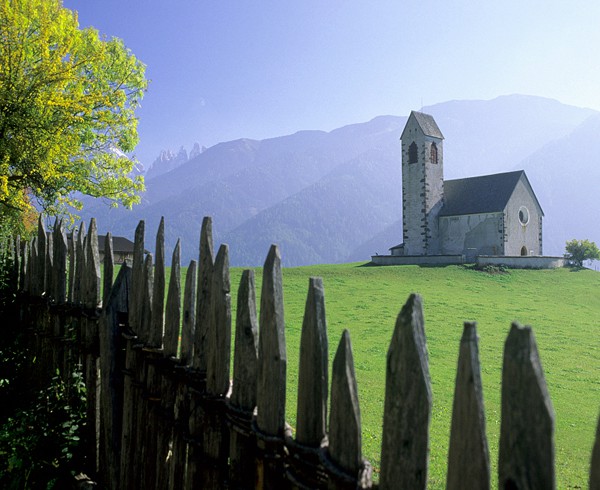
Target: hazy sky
<point>225,69</point>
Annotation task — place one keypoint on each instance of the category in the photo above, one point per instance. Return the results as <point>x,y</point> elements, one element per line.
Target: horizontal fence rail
<point>164,410</point>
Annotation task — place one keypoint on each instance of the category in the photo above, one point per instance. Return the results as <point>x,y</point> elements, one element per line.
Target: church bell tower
<point>422,184</point>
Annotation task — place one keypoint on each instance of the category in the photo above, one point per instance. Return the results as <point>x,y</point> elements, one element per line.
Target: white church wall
<point>472,234</point>
<point>522,222</point>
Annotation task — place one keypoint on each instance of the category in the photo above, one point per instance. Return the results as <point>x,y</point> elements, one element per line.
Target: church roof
<point>427,124</point>
<point>484,194</point>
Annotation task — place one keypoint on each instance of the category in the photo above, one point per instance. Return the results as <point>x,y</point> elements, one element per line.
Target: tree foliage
<point>67,102</point>
<point>578,251</point>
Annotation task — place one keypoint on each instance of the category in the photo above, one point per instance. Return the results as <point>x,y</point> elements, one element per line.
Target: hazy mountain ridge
<point>336,196</point>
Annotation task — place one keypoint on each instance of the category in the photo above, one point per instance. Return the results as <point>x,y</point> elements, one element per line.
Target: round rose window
<point>523,215</point>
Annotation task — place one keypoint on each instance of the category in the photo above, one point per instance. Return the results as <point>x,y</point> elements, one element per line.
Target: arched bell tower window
<point>434,153</point>
<point>413,153</point>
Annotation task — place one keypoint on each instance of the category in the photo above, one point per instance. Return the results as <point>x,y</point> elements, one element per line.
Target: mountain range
<point>335,196</point>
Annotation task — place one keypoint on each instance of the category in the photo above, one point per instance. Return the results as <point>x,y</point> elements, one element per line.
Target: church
<point>457,221</point>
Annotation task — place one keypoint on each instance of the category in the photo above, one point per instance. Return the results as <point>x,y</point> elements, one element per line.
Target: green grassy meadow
<point>562,306</point>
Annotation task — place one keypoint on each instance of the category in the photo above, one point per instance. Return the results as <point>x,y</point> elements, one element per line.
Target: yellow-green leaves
<point>67,102</point>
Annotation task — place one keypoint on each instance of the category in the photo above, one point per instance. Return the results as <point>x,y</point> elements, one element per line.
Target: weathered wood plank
<point>93,283</point>
<point>305,468</point>
<point>90,336</point>
<point>203,309</point>
<point>272,356</point>
<point>158,292</point>
<point>173,308</point>
<point>311,418</point>
<point>468,457</point>
<point>145,318</point>
<point>407,410</point>
<point>242,446</point>
<point>61,250</point>
<point>49,266</point>
<point>113,323</point>
<point>526,455</point>
<point>143,405</point>
<point>245,360</point>
<point>80,266</point>
<point>270,428</point>
<point>188,323</point>
<point>72,267</point>
<point>595,463</point>
<point>23,266</point>
<point>196,391</point>
<point>40,274</point>
<point>343,457</point>
<point>219,333</point>
<point>109,268</point>
<point>16,262</point>
<point>137,279</point>
<point>27,265</point>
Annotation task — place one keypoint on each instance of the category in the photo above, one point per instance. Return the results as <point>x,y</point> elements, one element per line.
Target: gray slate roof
<point>428,124</point>
<point>484,194</point>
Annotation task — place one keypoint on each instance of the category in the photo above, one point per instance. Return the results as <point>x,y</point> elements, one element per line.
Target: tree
<point>67,102</point>
<point>579,251</point>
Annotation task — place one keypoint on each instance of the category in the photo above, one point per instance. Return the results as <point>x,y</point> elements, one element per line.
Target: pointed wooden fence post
<point>153,356</point>
<point>270,427</point>
<point>142,369</point>
<point>59,286</point>
<point>595,463</point>
<point>305,468</point>
<point>158,296</point>
<point>188,322</point>
<point>113,324</point>
<point>23,265</point>
<point>109,268</point>
<point>196,374</point>
<point>343,459</point>
<point>181,410</point>
<point>468,456</point>
<point>242,453</point>
<point>165,443</point>
<point>133,365</point>
<point>132,393</point>
<point>407,410</point>
<point>40,273</point>
<point>212,409</point>
<point>137,278</point>
<point>90,337</point>
<point>526,455</point>
<point>203,302</point>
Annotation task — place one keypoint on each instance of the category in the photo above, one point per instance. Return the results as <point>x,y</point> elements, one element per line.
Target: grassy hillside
<point>562,306</point>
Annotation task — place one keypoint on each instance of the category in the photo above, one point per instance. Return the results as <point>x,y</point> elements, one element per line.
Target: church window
<point>523,215</point>
<point>413,153</point>
<point>524,251</point>
<point>434,153</point>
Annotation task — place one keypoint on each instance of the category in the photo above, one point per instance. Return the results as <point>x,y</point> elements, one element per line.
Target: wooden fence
<point>164,411</point>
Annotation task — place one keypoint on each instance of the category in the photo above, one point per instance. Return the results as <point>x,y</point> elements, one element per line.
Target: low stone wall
<point>417,259</point>
<point>522,262</point>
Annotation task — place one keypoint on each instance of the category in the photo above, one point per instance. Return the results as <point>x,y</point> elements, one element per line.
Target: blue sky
<point>222,70</point>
